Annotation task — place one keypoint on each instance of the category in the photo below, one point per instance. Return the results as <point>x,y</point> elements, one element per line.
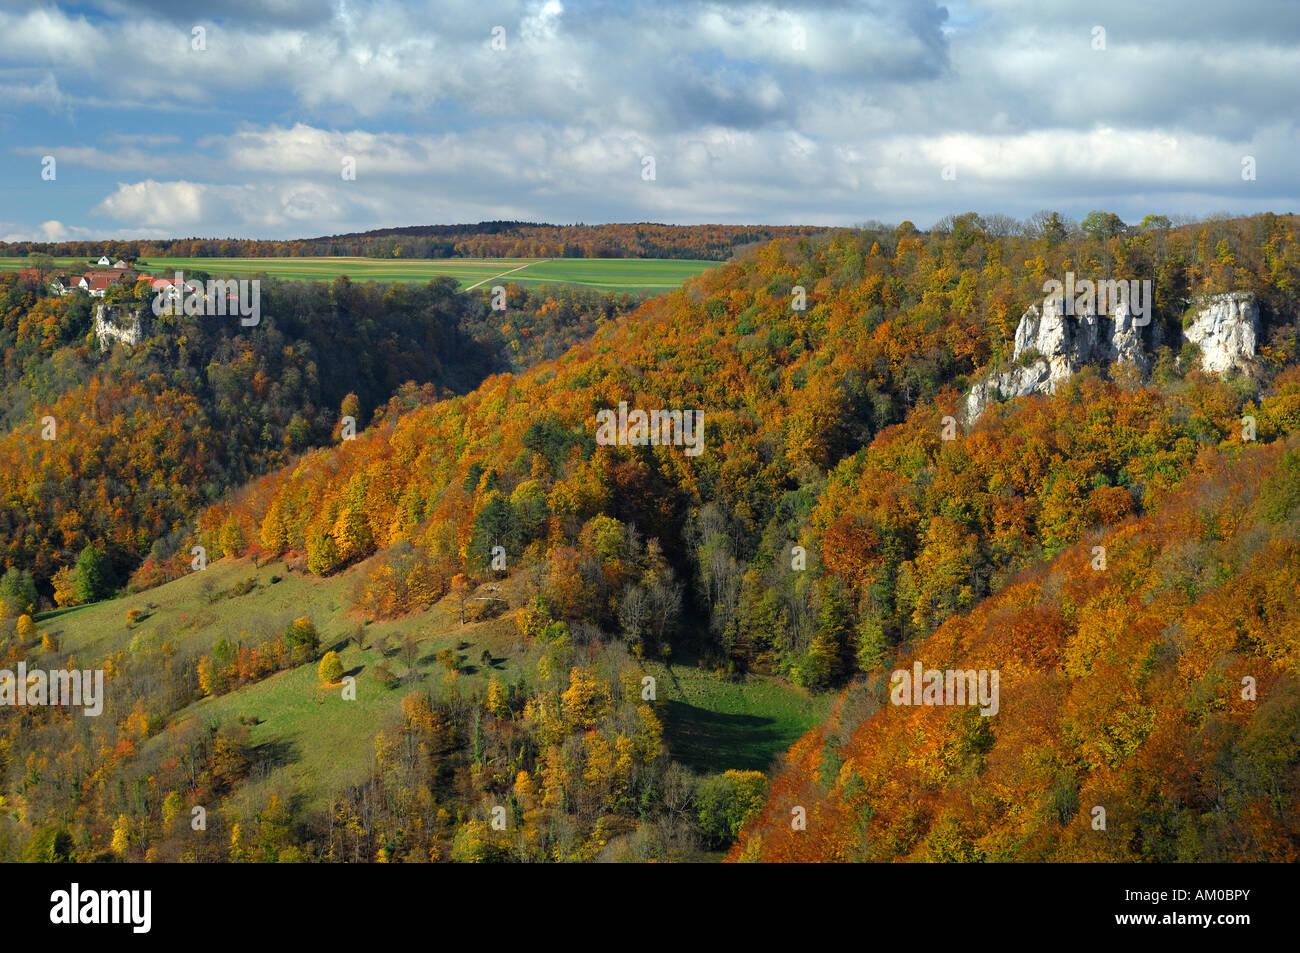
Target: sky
<point>245,120</point>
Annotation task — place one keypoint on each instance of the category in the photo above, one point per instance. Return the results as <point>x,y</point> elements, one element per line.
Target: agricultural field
<point>605,274</point>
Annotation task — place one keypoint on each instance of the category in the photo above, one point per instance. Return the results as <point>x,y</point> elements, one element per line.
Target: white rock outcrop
<point>107,329</point>
<point>1034,378</point>
<point>1068,342</point>
<point>1225,329</point>
<point>1052,346</point>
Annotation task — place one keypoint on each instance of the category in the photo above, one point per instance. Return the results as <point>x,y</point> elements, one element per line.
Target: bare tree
<point>410,655</point>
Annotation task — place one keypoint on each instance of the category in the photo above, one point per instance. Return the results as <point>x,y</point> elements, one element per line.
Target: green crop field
<point>605,274</point>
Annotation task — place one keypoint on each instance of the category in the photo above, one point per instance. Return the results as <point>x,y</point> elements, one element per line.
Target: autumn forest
<point>367,583</point>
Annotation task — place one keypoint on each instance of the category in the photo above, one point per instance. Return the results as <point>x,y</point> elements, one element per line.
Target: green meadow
<point>714,724</point>
<point>313,742</point>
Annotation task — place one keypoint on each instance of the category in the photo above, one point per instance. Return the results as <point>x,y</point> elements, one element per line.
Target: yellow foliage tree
<point>330,669</point>
<point>587,700</point>
<point>121,835</point>
<point>497,702</point>
<point>64,588</point>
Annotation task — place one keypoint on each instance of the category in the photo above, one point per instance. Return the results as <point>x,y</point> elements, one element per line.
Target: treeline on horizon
<point>481,240</point>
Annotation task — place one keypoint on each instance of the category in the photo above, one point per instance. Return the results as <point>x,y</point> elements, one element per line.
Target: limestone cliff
<point>1051,346</point>
<point>107,329</point>
<point>1225,329</point>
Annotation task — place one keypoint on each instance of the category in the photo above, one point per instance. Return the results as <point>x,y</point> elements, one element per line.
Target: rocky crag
<point>1052,346</point>
<point>107,328</point>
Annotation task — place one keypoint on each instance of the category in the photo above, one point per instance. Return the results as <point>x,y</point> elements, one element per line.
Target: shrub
<point>385,676</point>
<point>302,638</point>
<point>331,668</point>
<point>725,802</point>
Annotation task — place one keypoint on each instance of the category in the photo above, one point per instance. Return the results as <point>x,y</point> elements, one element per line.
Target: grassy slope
<point>613,274</point>
<point>712,724</point>
<point>314,742</point>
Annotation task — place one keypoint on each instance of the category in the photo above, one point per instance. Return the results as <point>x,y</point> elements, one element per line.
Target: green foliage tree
<point>50,845</point>
<point>94,575</point>
<point>497,524</point>
<point>725,802</point>
<point>17,592</point>
<point>1102,225</point>
<point>828,657</point>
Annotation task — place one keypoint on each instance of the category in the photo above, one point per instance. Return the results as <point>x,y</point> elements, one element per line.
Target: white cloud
<point>745,123</point>
<point>44,93</point>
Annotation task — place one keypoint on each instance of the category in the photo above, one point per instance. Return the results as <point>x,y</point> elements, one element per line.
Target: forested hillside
<point>501,583</point>
<point>1162,690</point>
<point>823,430</point>
<point>144,437</point>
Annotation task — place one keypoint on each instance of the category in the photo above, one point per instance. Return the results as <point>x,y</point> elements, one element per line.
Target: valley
<point>476,628</point>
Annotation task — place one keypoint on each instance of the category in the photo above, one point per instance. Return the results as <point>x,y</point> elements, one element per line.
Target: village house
<point>96,283</point>
<point>166,284</point>
<point>102,275</point>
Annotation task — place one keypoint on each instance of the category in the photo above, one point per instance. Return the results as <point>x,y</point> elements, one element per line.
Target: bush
<point>302,638</point>
<point>725,802</point>
<point>385,676</point>
<point>331,668</point>
<point>244,587</point>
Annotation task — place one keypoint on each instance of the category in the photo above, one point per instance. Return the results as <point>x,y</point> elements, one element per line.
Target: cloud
<point>670,62</point>
<point>51,231</point>
<point>181,205</point>
<point>753,111</point>
<point>44,93</point>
